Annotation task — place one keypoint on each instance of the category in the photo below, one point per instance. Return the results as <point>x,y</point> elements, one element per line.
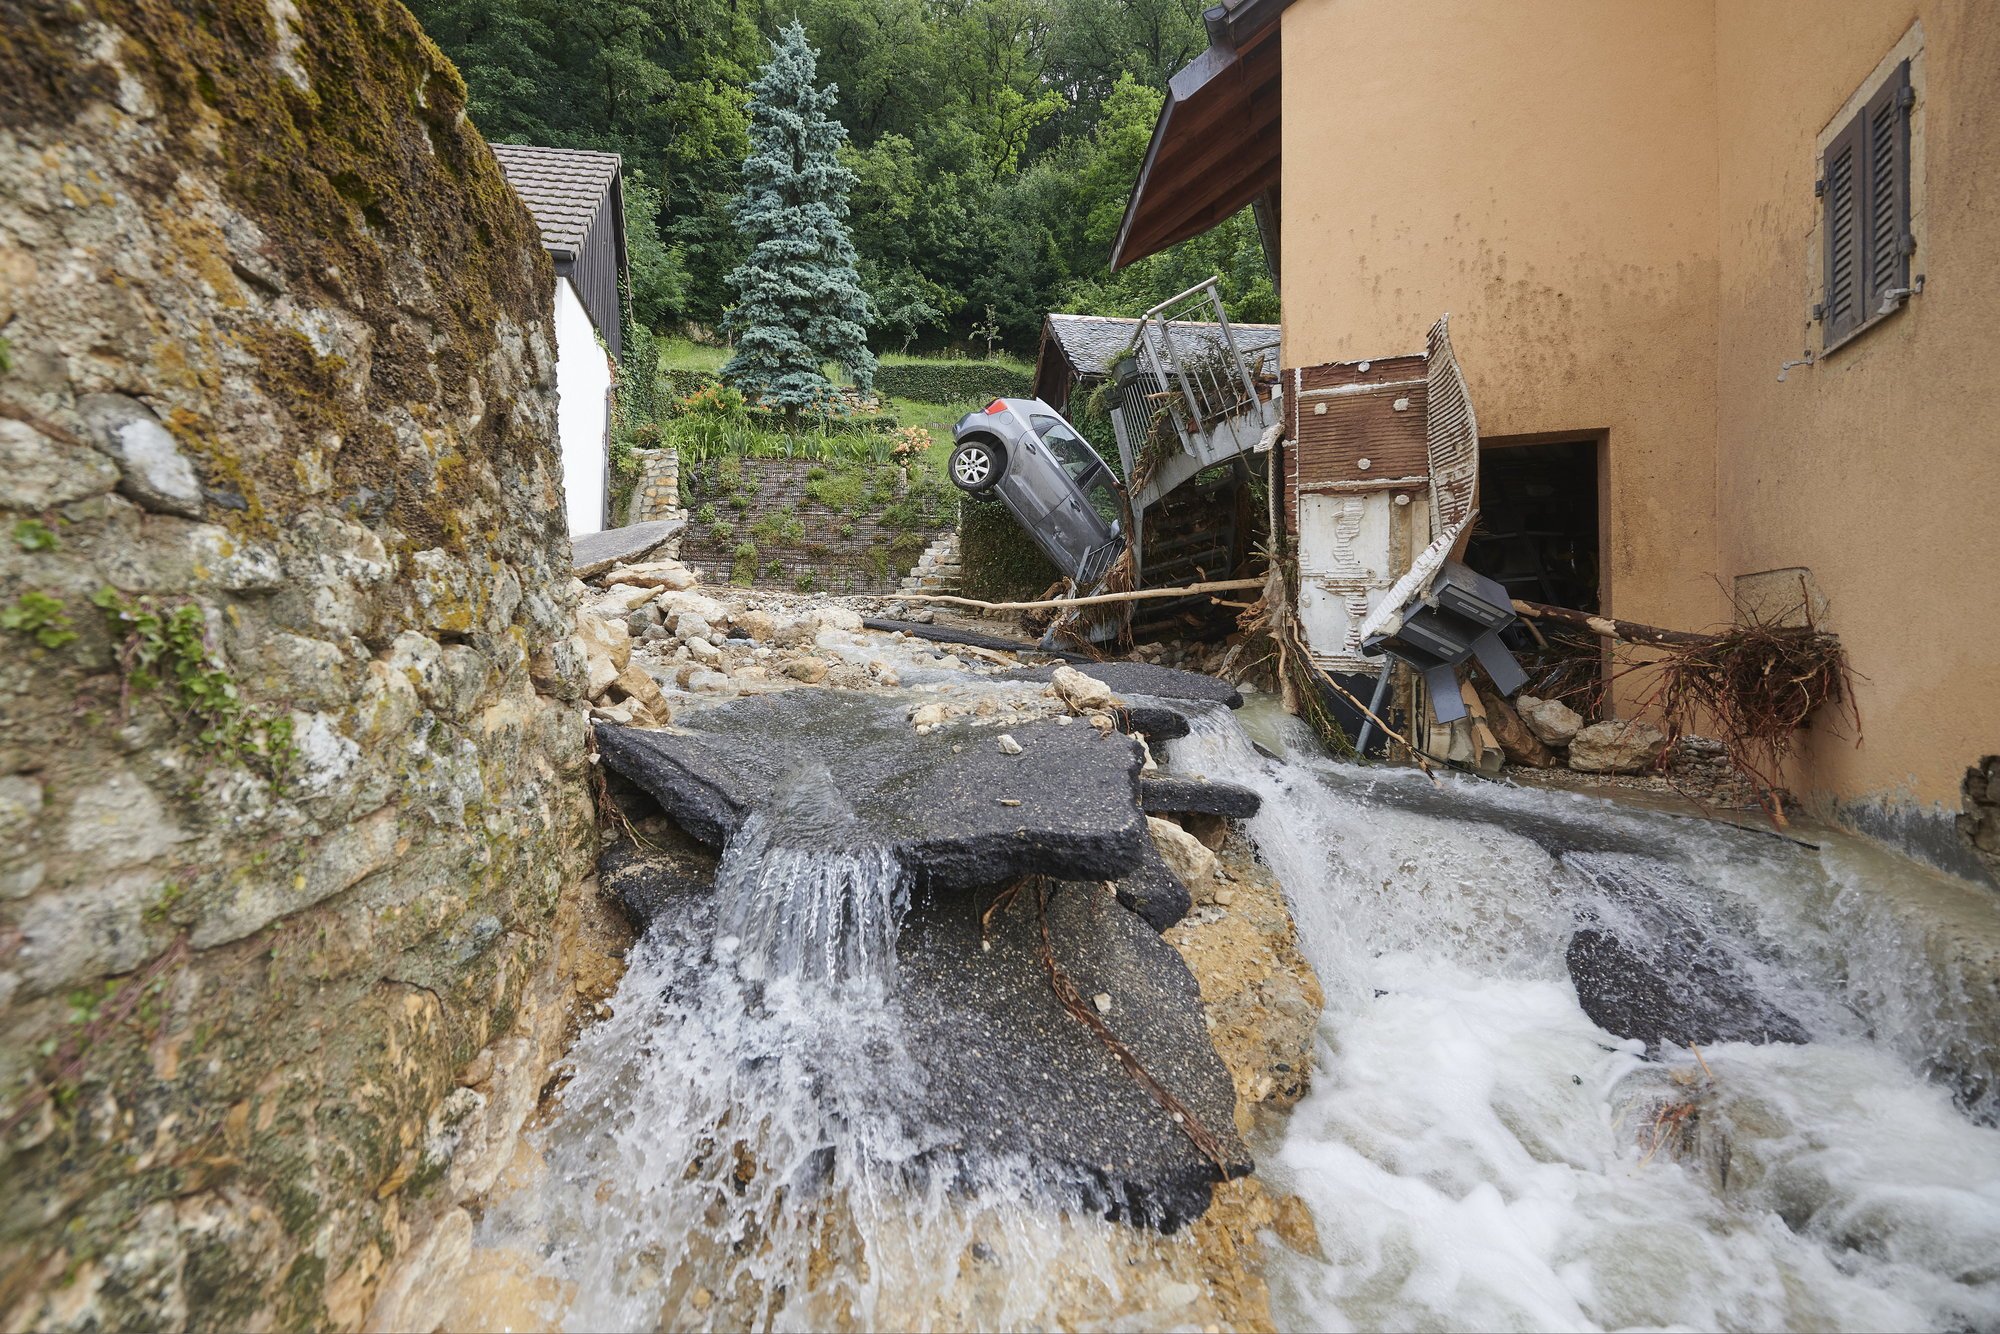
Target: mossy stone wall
<point>279,351</point>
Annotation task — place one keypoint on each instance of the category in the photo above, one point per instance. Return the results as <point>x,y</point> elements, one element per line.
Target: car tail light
<point>997,406</point>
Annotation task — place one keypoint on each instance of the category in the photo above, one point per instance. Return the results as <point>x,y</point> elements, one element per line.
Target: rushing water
<point>737,1146</point>
<point>1478,1154</point>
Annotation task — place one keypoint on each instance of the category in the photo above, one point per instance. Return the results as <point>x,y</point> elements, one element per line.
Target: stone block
<point>1626,747</point>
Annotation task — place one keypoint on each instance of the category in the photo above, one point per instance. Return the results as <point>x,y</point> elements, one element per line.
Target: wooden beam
<point>1096,600</point>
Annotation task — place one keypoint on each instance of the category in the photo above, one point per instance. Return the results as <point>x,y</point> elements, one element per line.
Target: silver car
<point>1021,452</point>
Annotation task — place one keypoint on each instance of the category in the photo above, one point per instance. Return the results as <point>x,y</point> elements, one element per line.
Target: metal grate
<point>1189,355</point>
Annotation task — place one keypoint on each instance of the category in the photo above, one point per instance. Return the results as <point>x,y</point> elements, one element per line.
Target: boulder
<point>1552,721</point>
<point>621,600</point>
<point>688,626</point>
<point>1081,693</point>
<point>758,625</point>
<point>607,647</point>
<point>838,618</point>
<point>673,605</point>
<point>940,811</point>
<point>1187,856</point>
<point>670,574</point>
<point>808,671</point>
<point>1625,747</point>
<point>635,684</point>
<point>1517,741</point>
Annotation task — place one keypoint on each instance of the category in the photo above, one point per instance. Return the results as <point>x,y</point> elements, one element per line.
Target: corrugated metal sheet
<point>1452,433</point>
<point>1358,528</point>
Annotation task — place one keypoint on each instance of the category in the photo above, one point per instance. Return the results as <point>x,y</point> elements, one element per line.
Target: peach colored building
<point>1624,205</point>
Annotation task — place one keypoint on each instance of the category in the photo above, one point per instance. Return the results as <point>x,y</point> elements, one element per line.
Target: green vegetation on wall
<point>998,561</point>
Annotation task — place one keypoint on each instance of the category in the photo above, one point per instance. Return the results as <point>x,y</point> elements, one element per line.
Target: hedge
<point>953,381</point>
<point>998,562</point>
<point>684,382</point>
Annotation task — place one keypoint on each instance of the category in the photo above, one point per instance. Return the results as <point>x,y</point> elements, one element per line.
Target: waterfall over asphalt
<point>741,1143</point>
<point>1478,1153</point>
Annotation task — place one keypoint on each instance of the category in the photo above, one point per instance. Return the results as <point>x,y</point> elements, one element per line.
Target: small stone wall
<point>657,492</point>
<point>293,808</point>
<point>836,527</point>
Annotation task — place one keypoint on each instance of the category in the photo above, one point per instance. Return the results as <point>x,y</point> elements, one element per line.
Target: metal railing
<point>1190,355</point>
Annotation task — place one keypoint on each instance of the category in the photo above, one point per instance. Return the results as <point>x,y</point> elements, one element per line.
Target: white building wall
<point>583,412</point>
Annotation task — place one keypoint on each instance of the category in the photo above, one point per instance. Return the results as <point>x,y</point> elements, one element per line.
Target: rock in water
<point>1616,748</point>
<point>1552,721</point>
<point>1669,994</point>
<point>936,809</point>
<point>1012,1076</point>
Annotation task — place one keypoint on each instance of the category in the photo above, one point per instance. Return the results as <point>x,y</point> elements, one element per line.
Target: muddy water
<point>1478,1153</point>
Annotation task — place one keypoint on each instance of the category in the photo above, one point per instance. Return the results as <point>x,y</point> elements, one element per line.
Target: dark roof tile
<point>562,187</point>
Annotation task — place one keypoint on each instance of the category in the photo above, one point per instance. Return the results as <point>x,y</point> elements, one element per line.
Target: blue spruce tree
<point>799,302</point>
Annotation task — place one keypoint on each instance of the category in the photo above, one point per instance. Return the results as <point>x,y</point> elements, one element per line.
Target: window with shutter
<point>1865,223</point>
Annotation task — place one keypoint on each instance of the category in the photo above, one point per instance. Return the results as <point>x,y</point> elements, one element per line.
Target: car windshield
<point>1069,449</point>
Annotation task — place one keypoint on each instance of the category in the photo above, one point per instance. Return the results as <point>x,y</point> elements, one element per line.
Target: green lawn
<point>938,418</point>
<point>681,354</point>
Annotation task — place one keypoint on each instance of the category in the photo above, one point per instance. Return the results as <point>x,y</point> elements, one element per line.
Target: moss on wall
<point>233,1004</point>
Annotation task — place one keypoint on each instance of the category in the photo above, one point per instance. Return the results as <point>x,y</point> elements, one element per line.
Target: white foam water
<point>1477,1153</point>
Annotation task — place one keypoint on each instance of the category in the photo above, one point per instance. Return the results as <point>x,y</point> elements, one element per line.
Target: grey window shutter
<point>1885,123</point>
<point>1845,256</point>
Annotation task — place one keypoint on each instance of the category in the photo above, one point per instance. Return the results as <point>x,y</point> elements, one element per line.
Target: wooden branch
<point>1630,632</point>
<point>1045,604</point>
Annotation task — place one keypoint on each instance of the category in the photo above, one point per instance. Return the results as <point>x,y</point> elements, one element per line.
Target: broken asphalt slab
<point>596,553</point>
<point>1168,794</point>
<point>1669,992</point>
<point>1013,1077</point>
<point>1066,805</point>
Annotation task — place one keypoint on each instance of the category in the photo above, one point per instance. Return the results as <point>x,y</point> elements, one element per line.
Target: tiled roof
<point>1092,343</point>
<point>562,187</point>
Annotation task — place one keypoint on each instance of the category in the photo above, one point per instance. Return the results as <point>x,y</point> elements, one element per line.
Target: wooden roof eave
<point>1224,107</point>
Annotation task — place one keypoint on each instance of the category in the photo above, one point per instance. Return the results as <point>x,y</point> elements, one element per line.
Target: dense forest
<point>994,142</point>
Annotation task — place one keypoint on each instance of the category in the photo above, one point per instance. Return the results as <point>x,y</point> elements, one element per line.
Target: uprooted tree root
<point>1759,684</point>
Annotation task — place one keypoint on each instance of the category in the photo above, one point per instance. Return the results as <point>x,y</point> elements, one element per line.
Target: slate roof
<point>1091,343</point>
<point>563,188</point>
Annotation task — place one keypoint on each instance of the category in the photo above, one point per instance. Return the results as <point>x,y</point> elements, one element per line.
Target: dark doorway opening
<point>1539,534</point>
<point>1538,522</point>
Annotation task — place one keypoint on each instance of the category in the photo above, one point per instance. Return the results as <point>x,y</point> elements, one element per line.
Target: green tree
<point>800,302</point>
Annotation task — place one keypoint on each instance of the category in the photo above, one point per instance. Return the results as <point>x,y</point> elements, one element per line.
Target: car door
<point>1070,516</point>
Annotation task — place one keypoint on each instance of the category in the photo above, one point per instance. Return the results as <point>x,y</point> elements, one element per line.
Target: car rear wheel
<point>976,465</point>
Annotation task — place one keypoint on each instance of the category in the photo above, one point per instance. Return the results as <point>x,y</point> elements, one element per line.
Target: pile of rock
<point>648,629</point>
<point>1624,746</point>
